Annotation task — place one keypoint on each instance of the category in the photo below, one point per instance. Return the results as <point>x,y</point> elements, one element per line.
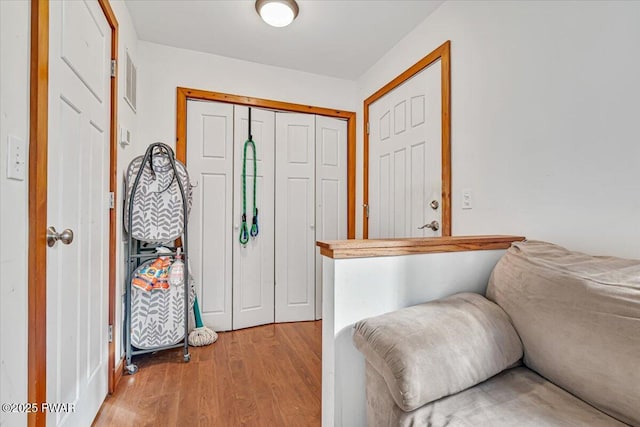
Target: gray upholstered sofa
<point>556,342</point>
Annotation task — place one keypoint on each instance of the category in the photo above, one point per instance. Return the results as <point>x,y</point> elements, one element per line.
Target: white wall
<point>128,119</point>
<point>14,120</point>
<point>544,118</point>
<point>163,68</point>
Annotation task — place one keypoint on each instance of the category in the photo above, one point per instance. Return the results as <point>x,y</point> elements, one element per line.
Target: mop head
<point>202,336</point>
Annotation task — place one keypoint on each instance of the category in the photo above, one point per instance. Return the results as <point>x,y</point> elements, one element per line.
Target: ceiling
<point>338,38</point>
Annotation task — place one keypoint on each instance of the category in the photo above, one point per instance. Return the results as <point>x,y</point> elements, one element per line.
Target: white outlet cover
<point>16,158</point>
<point>467,199</point>
<point>125,137</point>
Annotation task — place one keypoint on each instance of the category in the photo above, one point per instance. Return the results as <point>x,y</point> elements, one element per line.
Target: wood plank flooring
<point>264,376</point>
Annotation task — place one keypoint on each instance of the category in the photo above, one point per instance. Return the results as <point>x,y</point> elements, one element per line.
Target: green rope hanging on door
<point>244,229</point>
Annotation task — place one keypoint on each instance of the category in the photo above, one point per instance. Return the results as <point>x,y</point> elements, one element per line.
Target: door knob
<point>434,225</point>
<point>434,204</point>
<point>53,236</point>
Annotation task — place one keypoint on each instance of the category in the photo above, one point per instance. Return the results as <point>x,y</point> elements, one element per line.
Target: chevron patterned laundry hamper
<point>157,316</point>
<point>157,204</point>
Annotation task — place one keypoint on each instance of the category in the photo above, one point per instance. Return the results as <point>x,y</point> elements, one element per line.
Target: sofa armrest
<point>435,349</point>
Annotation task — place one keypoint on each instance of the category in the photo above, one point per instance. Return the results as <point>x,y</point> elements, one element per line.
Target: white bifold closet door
<point>211,234</point>
<point>301,198</point>
<point>253,263</point>
<point>234,282</point>
<point>295,217</point>
<point>331,189</point>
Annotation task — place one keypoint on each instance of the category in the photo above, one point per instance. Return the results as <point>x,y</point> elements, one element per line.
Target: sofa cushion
<point>579,320</point>
<point>438,348</point>
<point>516,397</point>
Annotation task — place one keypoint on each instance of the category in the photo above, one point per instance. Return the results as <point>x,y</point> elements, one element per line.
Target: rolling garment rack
<point>140,251</point>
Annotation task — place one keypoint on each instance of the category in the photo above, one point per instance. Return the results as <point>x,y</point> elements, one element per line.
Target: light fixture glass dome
<point>277,13</point>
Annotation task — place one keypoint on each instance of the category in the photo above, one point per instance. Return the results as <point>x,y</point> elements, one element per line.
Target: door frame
<point>38,169</point>
<point>183,94</point>
<point>442,52</point>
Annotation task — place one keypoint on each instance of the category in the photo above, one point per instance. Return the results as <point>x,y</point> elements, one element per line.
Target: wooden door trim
<point>442,52</point>
<point>38,169</point>
<point>37,257</point>
<point>114,374</point>
<point>183,94</point>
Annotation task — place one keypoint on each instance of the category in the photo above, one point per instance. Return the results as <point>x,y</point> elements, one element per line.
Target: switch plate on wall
<point>16,158</point>
<point>125,137</point>
<point>467,199</point>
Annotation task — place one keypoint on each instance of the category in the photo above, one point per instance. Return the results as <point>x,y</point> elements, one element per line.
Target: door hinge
<point>366,210</point>
<point>113,68</point>
<point>110,333</point>
<point>112,200</point>
<point>367,128</point>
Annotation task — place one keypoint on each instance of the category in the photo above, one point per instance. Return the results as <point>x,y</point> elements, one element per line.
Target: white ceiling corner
<point>338,38</point>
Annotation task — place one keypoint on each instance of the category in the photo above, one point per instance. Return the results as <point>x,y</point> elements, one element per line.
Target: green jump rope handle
<point>254,225</point>
<point>244,231</point>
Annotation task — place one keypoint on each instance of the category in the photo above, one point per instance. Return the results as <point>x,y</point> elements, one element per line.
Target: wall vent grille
<point>131,72</point>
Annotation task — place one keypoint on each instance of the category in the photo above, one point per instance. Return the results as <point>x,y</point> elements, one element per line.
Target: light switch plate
<point>467,199</point>
<point>16,158</point>
<point>125,137</point>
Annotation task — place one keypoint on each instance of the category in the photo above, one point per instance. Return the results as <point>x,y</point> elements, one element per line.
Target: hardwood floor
<point>264,376</point>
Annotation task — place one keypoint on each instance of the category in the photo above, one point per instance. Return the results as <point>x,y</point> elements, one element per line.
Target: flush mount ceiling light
<point>277,13</point>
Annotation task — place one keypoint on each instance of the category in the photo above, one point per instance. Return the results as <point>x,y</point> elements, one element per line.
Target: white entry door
<point>253,263</point>
<point>210,165</point>
<point>295,217</point>
<point>78,189</point>
<point>405,166</point>
<point>331,189</point>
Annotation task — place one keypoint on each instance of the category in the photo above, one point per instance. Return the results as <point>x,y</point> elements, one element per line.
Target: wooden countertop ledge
<point>340,249</point>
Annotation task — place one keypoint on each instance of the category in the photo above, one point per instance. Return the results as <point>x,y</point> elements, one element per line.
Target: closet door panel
<point>331,189</point>
<point>299,192</point>
<point>253,263</point>
<point>212,258</point>
<point>210,165</point>
<point>295,217</point>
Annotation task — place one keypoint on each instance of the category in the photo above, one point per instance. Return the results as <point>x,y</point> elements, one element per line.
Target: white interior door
<point>331,189</point>
<point>210,165</point>
<point>78,188</point>
<point>405,162</point>
<point>253,263</point>
<point>295,216</point>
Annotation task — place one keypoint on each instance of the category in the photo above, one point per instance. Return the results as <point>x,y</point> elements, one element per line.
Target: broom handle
<point>196,312</point>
